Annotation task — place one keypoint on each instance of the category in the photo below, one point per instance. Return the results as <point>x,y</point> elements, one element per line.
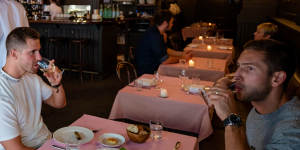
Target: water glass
<point>44,65</point>
<point>156,129</point>
<point>182,62</point>
<point>138,84</point>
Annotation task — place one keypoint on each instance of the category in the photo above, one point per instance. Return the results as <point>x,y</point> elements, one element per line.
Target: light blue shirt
<point>12,15</point>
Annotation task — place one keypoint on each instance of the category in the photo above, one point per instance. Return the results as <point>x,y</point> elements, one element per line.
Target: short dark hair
<point>161,16</point>
<point>278,56</point>
<point>18,37</point>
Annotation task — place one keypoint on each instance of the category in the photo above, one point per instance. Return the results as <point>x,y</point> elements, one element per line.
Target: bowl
<point>142,135</point>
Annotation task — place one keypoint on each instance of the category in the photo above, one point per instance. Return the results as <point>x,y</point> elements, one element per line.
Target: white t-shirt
<point>54,10</point>
<point>20,109</point>
<point>12,15</point>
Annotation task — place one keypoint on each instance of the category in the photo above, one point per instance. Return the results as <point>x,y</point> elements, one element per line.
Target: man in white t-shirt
<point>22,92</point>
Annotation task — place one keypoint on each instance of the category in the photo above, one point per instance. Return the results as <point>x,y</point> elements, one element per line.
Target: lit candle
<point>209,24</point>
<point>209,47</point>
<point>201,38</point>
<point>191,63</point>
<point>163,92</point>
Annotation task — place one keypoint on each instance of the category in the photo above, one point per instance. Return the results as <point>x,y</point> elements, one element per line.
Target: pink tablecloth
<point>207,69</point>
<point>200,50</point>
<point>178,111</point>
<point>213,40</point>
<point>108,126</point>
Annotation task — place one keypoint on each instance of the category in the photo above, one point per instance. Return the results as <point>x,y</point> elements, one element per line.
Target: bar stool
<point>82,43</point>
<point>54,44</point>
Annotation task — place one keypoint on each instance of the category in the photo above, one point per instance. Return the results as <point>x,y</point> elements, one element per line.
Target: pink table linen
<point>177,111</point>
<point>207,69</point>
<point>200,50</point>
<point>109,126</point>
<point>213,40</point>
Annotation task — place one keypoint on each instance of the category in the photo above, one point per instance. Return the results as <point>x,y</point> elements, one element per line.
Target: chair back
<point>126,71</point>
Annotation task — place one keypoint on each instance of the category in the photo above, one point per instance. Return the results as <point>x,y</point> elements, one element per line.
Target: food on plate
<point>77,135</point>
<point>111,141</point>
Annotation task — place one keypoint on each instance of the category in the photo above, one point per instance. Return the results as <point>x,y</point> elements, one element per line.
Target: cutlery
<point>177,145</point>
<point>58,147</point>
<point>95,130</point>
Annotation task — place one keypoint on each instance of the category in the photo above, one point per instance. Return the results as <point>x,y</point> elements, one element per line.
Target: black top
<point>151,52</point>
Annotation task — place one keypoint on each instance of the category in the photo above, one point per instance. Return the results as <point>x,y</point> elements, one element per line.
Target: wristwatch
<point>233,120</point>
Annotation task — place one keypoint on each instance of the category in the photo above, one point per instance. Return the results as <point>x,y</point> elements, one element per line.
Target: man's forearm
<point>235,138</point>
<point>174,53</point>
<point>59,97</point>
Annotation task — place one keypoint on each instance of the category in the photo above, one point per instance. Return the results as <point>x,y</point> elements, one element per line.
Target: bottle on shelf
<point>117,11</point>
<point>101,10</point>
<point>113,11</point>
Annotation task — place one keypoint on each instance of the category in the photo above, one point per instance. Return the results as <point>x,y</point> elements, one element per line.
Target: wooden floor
<point>96,98</point>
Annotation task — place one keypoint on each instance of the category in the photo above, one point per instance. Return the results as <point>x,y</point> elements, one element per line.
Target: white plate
<point>107,148</point>
<point>104,139</point>
<point>193,45</point>
<point>225,47</point>
<point>67,135</point>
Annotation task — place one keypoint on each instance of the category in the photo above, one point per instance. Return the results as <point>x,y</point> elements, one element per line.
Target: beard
<point>255,94</point>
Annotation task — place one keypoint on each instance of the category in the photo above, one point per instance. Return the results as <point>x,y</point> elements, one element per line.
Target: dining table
<point>197,29</point>
<point>167,142</point>
<point>207,69</point>
<point>213,40</point>
<point>210,50</point>
<point>179,110</point>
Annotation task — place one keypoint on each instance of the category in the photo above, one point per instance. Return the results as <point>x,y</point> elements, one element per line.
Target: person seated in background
<point>264,70</point>
<point>54,9</point>
<point>152,51</point>
<point>22,92</point>
<point>265,31</point>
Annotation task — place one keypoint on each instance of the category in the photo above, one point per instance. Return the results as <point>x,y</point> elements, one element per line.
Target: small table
<point>178,111</point>
<point>216,51</point>
<point>207,69</point>
<point>109,126</point>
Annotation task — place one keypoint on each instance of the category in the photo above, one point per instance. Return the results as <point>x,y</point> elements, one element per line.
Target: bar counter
<point>98,53</point>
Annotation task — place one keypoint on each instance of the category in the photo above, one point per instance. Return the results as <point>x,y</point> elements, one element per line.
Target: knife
<point>58,147</point>
<point>177,145</point>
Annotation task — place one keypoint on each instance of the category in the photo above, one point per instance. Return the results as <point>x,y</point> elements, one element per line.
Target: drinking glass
<point>156,129</point>
<point>138,84</point>
<point>44,65</point>
<point>182,62</point>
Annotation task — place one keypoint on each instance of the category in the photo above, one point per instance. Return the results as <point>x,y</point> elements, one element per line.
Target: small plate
<point>67,135</point>
<point>111,139</point>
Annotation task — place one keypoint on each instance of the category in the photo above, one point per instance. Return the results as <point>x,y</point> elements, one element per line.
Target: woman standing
<point>54,9</point>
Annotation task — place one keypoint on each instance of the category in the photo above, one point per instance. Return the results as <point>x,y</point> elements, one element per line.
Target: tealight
<point>209,47</point>
<point>201,38</point>
<point>163,92</point>
<point>191,63</point>
<point>209,24</point>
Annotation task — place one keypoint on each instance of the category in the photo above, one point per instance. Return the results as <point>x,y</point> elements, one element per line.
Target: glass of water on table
<point>156,129</point>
